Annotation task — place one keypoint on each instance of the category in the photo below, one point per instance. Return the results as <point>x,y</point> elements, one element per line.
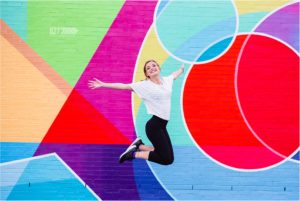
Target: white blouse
<point>157,97</point>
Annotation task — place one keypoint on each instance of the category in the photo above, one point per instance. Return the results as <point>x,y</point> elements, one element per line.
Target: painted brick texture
<point>60,140</point>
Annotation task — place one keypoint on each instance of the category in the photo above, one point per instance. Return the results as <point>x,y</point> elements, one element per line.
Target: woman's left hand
<point>182,67</point>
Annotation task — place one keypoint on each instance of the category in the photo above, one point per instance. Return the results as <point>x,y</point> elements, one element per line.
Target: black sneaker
<point>128,154</point>
<point>137,142</point>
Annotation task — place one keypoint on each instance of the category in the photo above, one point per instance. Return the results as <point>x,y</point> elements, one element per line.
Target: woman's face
<point>152,69</point>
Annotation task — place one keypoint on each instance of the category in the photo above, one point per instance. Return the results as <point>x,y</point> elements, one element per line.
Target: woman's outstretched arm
<point>94,84</point>
<point>177,73</point>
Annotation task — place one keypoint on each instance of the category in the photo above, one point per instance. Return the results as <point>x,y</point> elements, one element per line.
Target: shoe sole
<point>125,152</point>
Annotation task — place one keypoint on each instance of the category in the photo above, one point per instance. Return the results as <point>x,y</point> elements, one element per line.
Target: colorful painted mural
<point>235,110</point>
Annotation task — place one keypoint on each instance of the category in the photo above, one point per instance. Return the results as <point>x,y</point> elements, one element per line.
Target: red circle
<point>268,91</point>
<point>213,117</point>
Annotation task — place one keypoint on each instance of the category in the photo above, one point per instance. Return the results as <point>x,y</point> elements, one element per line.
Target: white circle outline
<point>253,32</point>
<point>193,62</point>
<point>210,157</point>
<point>181,101</point>
<point>238,99</point>
<point>132,108</point>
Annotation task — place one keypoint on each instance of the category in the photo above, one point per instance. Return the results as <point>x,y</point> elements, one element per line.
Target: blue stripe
<point>11,151</point>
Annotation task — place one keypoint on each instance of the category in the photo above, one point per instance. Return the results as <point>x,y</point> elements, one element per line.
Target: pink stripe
<point>114,61</point>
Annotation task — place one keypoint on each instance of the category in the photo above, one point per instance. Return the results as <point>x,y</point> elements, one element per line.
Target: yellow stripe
<point>252,6</point>
<point>150,50</point>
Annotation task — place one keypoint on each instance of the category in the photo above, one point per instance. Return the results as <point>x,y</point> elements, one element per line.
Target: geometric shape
<point>245,7</point>
<point>196,26</point>
<point>26,94</point>
<point>213,118</point>
<point>9,176</point>
<point>114,61</point>
<point>14,13</point>
<point>79,122</point>
<point>147,185</point>
<point>44,177</point>
<point>161,6</point>
<point>193,176</point>
<point>98,166</point>
<point>26,51</point>
<point>283,24</point>
<point>69,36</point>
<point>296,156</point>
<point>268,92</point>
<point>215,49</point>
<point>11,151</point>
<point>249,20</point>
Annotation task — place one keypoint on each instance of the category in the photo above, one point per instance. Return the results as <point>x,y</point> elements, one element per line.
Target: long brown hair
<point>151,60</point>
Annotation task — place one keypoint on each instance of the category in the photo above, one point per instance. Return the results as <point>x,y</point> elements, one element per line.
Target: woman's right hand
<point>94,84</point>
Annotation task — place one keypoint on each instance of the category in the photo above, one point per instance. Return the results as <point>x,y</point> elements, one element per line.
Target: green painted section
<point>67,33</point>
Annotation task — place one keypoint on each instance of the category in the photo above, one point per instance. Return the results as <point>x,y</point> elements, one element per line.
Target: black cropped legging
<point>158,135</point>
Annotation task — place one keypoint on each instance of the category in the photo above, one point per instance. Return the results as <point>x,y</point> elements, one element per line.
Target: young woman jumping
<point>156,93</point>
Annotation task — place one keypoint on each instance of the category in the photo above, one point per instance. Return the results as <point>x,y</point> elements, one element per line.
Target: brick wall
<point>234,136</point>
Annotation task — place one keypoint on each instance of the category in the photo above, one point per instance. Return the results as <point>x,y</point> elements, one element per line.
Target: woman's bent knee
<point>168,160</point>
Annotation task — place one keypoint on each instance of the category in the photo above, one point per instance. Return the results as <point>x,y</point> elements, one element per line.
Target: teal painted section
<point>215,50</point>
<point>247,22</point>
<point>14,13</point>
<point>41,179</point>
<point>187,28</point>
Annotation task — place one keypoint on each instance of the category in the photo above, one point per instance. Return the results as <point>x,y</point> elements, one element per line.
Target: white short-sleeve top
<point>157,97</point>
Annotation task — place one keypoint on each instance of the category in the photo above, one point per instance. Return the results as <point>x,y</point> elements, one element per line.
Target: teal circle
<point>189,28</point>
